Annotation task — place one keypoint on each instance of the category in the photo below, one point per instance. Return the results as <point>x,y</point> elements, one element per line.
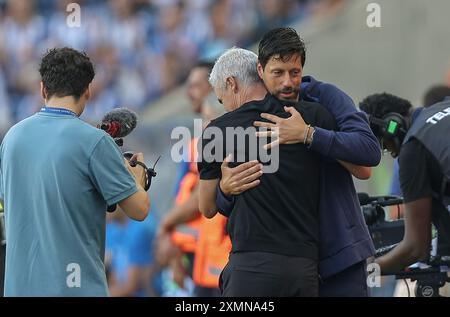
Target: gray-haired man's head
<point>233,73</point>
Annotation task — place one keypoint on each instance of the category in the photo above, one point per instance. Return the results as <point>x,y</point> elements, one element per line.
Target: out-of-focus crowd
<point>141,48</point>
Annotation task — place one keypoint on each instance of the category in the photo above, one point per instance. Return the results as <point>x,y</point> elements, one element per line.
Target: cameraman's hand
<point>138,171</point>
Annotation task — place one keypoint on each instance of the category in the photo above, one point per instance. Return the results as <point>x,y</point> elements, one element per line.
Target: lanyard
<point>61,111</point>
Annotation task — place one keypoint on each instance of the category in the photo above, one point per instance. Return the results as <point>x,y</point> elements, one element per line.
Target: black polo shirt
<point>420,177</point>
<point>281,214</point>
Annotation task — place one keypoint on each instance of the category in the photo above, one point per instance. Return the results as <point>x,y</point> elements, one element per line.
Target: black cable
<point>149,172</point>
<point>407,287</point>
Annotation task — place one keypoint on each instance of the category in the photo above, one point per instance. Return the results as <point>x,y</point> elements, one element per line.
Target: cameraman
<point>423,151</point>
<point>57,176</point>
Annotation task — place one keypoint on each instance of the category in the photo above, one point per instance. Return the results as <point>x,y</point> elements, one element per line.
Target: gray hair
<point>238,63</point>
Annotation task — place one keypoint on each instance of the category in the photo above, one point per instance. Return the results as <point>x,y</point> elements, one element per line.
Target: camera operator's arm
<point>416,164</point>
<point>415,245</point>
<point>115,183</point>
<point>137,205</point>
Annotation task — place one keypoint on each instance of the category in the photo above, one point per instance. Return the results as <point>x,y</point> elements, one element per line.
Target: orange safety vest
<point>185,236</point>
<point>211,253</point>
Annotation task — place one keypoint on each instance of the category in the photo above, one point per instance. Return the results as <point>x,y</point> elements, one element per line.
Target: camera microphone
<point>119,122</point>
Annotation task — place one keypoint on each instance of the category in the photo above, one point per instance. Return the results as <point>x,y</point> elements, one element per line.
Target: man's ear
<point>87,94</point>
<point>231,81</point>
<point>260,70</point>
<point>43,91</point>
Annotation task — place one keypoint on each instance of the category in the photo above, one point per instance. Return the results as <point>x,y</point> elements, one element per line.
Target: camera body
<point>387,234</point>
<point>383,233</point>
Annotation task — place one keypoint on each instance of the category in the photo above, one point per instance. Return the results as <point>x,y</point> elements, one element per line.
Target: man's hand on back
<point>287,131</point>
<point>237,180</point>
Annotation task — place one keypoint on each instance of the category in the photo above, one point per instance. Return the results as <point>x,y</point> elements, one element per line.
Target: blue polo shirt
<point>58,174</point>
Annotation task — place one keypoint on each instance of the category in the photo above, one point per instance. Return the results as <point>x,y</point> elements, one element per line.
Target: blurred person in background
<point>127,32</point>
<point>213,244</point>
<point>198,87</point>
<point>104,96</point>
<point>183,221</point>
<point>435,94</point>
<point>22,32</point>
<point>155,42</point>
<point>174,280</point>
<point>273,12</point>
<point>173,42</point>
<point>220,30</point>
<point>132,269</point>
<point>82,37</point>
<point>5,116</point>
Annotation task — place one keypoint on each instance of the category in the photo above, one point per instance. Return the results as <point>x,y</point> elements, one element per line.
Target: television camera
<point>386,235</point>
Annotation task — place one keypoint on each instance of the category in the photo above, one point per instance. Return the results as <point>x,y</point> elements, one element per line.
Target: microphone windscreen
<point>125,118</point>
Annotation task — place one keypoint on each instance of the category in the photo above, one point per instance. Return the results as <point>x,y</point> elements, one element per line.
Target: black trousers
<point>352,282</point>
<point>261,274</point>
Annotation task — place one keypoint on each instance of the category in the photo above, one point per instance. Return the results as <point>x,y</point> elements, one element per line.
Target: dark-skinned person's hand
<point>286,130</point>
<point>236,180</point>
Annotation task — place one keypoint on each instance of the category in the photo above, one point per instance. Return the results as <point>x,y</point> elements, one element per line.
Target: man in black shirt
<point>274,226</point>
<point>424,156</point>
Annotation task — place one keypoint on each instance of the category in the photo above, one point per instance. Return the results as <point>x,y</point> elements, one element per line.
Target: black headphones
<point>392,127</point>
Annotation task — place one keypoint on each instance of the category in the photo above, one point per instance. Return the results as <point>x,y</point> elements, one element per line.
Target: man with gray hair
<point>273,227</point>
